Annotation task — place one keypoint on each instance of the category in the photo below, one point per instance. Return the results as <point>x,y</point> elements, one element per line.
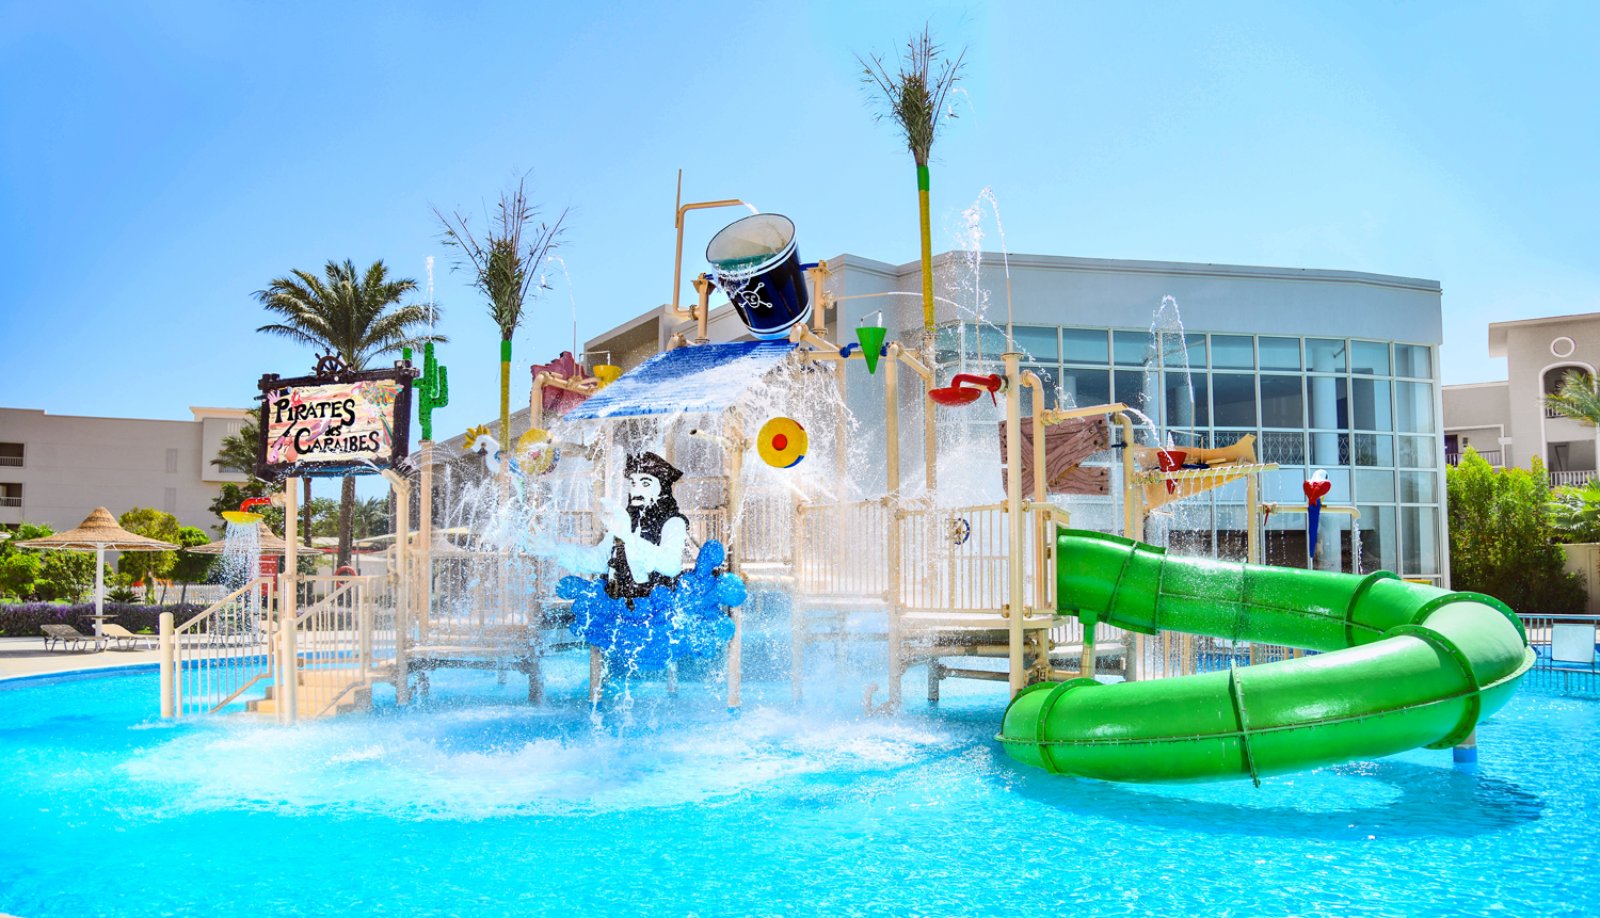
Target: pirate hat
<point>654,466</point>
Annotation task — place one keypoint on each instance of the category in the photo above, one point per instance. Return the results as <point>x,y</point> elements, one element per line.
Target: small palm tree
<point>1576,398</point>
<point>915,98</point>
<point>505,264</point>
<point>355,315</point>
<point>237,453</point>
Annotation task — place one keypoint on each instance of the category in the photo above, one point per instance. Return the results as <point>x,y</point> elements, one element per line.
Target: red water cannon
<point>965,388</point>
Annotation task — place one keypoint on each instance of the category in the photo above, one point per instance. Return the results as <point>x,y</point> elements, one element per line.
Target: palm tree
<point>1576,398</point>
<point>915,97</point>
<point>237,453</point>
<point>505,265</point>
<point>354,315</point>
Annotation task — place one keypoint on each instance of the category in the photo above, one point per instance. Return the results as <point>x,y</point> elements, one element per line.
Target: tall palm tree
<point>915,98</point>
<point>356,315</point>
<point>1576,398</point>
<point>505,265</point>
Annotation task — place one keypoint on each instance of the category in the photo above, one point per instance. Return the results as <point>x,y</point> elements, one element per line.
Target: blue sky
<point>160,162</point>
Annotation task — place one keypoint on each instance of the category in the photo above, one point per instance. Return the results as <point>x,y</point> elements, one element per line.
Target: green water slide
<point>1401,665</point>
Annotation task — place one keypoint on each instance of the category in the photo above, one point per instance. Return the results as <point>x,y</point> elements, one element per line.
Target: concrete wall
<point>73,464</point>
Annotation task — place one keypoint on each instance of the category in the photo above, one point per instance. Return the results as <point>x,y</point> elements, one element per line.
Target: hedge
<point>24,619</point>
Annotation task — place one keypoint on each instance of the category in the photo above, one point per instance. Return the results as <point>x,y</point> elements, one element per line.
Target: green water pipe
<point>1400,665</point>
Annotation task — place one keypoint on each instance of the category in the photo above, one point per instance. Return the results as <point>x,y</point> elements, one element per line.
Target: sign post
<point>333,423</point>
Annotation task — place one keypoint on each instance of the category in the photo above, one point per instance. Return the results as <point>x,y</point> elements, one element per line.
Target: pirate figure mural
<point>646,610</point>
<point>647,541</point>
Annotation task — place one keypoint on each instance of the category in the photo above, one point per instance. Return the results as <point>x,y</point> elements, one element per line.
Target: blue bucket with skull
<point>756,263</point>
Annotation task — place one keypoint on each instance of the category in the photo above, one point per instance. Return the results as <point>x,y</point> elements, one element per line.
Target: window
<point>1238,352</point>
<point>1280,353</point>
<point>1370,358</point>
<point>1037,343</point>
<point>10,494</point>
<point>11,454</point>
<point>1233,399</point>
<point>172,460</point>
<point>1084,345</point>
<point>1413,360</point>
<point>1325,355</point>
<point>1084,387</point>
<point>1281,402</point>
<point>1131,348</point>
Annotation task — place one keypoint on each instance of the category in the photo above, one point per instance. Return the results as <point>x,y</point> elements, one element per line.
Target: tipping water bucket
<point>757,264</point>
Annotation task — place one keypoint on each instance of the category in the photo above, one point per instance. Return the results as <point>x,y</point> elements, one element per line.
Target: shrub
<point>24,619</point>
<point>1501,539</point>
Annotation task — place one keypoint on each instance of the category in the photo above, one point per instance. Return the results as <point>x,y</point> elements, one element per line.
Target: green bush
<point>1502,540</point>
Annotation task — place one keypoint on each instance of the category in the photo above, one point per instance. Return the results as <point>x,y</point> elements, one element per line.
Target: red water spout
<point>249,502</point>
<point>958,393</point>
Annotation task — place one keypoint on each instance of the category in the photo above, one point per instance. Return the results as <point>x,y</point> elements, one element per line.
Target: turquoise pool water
<point>672,808</point>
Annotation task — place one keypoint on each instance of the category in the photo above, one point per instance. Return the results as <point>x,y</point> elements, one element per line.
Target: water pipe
<point>698,314</point>
<point>244,516</point>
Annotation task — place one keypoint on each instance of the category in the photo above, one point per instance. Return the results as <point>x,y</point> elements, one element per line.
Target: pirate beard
<point>650,519</point>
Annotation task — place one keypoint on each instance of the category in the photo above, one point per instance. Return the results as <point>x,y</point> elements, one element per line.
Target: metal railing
<point>842,550</point>
<point>330,650</point>
<point>1569,478</point>
<point>1559,642</point>
<point>211,660</point>
<point>10,501</point>
<point>11,461</point>
<point>1491,456</point>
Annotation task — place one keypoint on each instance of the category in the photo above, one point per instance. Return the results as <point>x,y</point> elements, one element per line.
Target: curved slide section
<point>1402,665</point>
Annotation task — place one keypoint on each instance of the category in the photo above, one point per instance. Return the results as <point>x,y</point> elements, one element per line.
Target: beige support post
<point>1016,604</point>
<point>536,400</point>
<point>424,556</point>
<point>677,259</point>
<point>820,300</point>
<point>891,395</point>
<point>169,668</point>
<point>402,585</point>
<point>288,676</point>
<point>735,451</point>
<point>1252,533</point>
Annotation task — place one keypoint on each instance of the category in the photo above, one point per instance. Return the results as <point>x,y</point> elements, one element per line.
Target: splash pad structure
<point>860,553</point>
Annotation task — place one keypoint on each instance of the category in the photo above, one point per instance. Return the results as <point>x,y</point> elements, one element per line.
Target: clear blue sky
<point>161,161</point>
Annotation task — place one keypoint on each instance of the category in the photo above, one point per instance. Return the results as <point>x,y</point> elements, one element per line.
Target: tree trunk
<point>305,503</point>
<point>347,504</point>
<point>927,250</point>
<point>505,396</point>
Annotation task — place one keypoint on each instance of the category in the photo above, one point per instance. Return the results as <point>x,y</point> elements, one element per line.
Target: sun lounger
<point>127,639</point>
<point>63,635</point>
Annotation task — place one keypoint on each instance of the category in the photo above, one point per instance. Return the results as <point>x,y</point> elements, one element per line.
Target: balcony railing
<point>1563,479</point>
<point>1491,456</point>
<point>10,501</point>
<point>1552,413</point>
<point>13,461</point>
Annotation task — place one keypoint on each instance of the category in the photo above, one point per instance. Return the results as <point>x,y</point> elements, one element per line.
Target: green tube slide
<point>1400,665</point>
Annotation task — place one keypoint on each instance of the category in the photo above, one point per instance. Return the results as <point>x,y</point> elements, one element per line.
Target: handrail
<point>211,610</point>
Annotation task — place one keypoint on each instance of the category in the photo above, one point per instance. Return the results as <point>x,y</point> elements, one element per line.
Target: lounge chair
<point>63,635</point>
<point>127,639</point>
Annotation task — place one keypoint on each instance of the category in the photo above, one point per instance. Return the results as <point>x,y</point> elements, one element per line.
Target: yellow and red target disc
<point>781,443</point>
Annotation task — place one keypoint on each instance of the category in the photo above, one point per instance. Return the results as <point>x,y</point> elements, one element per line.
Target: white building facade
<point>54,469</point>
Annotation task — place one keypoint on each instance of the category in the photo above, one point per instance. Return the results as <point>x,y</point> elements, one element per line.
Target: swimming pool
<point>671,807</point>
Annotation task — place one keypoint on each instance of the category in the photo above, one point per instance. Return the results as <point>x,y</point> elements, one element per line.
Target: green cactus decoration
<point>434,388</point>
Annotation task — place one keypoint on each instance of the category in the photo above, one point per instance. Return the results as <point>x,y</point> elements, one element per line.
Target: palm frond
<point>1576,398</point>
<point>506,259</point>
<point>916,95</point>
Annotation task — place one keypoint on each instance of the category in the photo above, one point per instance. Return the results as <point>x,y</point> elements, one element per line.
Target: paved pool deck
<point>26,656</point>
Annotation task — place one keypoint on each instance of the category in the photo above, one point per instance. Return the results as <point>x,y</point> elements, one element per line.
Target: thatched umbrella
<point>270,544</point>
<point>98,532</point>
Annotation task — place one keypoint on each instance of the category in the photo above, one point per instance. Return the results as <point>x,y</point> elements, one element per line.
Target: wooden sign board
<point>344,423</point>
